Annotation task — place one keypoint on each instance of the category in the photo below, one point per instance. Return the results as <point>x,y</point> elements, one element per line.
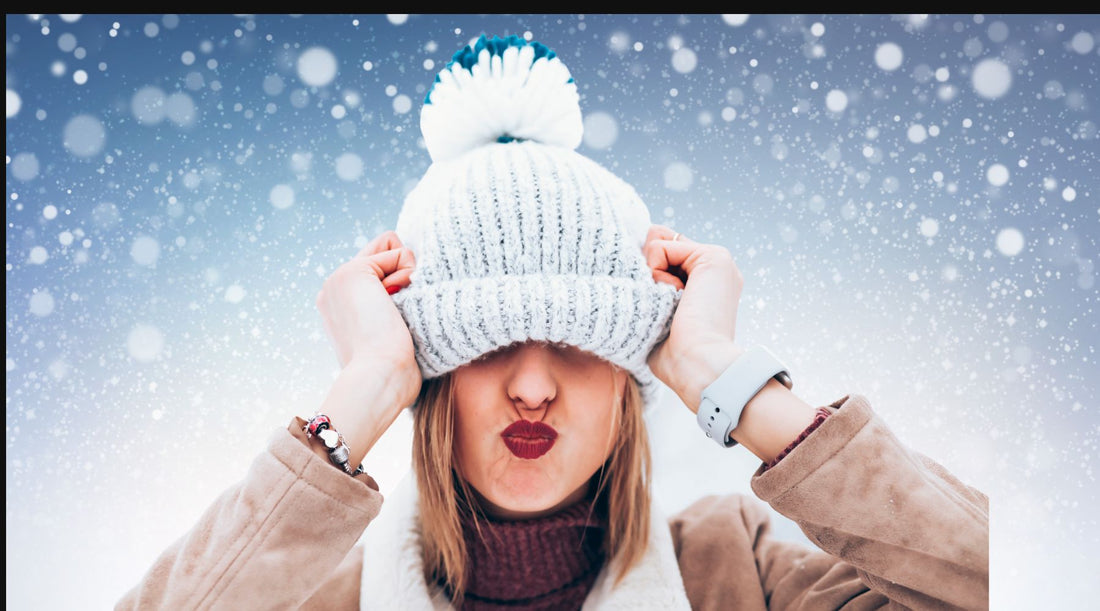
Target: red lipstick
<point>528,439</point>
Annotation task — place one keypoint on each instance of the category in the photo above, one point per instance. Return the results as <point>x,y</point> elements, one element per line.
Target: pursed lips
<point>529,429</point>
<point>529,440</point>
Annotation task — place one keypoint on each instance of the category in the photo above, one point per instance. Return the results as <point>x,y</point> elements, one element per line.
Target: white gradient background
<point>981,358</point>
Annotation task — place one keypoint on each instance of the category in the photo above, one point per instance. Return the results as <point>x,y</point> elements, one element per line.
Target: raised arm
<point>910,529</point>
<point>898,531</point>
<point>901,522</point>
<point>281,538</point>
<point>273,539</point>
<point>897,527</point>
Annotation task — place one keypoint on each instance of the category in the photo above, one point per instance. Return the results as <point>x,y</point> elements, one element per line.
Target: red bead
<point>319,423</point>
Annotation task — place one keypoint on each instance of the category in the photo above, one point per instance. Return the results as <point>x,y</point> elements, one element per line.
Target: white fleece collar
<point>393,576</point>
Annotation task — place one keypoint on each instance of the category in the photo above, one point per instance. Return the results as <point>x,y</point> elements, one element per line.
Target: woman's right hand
<point>361,319</point>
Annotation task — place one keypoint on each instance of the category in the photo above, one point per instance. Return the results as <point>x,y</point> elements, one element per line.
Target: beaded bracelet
<point>321,426</point>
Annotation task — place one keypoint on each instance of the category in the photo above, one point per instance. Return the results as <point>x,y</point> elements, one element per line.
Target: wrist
<point>396,381</point>
<point>362,403</point>
<point>771,419</point>
<point>703,368</point>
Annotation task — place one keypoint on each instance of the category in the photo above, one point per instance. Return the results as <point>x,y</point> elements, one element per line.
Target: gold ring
<point>676,237</point>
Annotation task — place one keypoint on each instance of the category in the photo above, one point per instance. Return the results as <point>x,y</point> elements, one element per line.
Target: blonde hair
<point>622,493</point>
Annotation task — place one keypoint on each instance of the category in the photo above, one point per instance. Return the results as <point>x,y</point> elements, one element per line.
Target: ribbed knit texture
<point>526,241</point>
<point>543,563</point>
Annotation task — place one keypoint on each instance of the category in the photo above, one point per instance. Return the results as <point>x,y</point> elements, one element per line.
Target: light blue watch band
<point>725,398</point>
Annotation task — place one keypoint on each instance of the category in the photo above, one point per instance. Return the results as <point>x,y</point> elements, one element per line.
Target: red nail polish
<point>393,289</point>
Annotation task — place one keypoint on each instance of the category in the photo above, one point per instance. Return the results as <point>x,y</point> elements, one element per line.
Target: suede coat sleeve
<point>897,530</point>
<point>270,541</point>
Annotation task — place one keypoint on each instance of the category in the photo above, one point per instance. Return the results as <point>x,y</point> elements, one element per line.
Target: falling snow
<point>349,167</point>
<point>145,251</point>
<point>678,176</point>
<point>911,200</point>
<point>12,103</point>
<point>836,100</point>
<point>41,303</point>
<point>1082,43</point>
<point>282,196</point>
<point>317,66</point>
<point>24,167</point>
<point>144,342</point>
<point>997,174</point>
<point>402,104</point>
<point>991,78</point>
<point>148,105</point>
<point>888,56</point>
<point>1010,241</point>
<point>234,293</point>
<point>84,135</point>
<point>684,60</point>
<point>600,130</point>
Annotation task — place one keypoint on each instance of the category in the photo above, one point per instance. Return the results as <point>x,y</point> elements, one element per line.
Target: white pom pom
<point>497,91</point>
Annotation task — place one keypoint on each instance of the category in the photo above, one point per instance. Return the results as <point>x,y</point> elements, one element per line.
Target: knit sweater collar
<point>393,569</point>
<point>548,562</point>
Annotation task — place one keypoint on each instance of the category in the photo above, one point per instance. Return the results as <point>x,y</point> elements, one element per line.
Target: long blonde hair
<point>622,492</point>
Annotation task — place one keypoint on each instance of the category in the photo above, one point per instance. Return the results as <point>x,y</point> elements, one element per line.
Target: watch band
<point>724,399</point>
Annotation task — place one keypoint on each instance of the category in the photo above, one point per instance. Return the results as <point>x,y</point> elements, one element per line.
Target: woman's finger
<point>668,278</point>
<point>387,240</point>
<point>664,269</point>
<point>393,266</point>
<point>399,279</point>
<point>661,232</point>
<point>676,258</point>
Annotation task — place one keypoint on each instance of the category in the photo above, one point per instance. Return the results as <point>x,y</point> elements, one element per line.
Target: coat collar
<point>393,575</point>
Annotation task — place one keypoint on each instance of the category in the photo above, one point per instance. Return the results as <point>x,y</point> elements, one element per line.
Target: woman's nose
<point>533,382</point>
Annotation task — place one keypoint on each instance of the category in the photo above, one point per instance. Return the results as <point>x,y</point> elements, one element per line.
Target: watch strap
<point>724,399</point>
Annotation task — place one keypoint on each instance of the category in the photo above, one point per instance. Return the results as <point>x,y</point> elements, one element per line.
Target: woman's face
<point>522,473</point>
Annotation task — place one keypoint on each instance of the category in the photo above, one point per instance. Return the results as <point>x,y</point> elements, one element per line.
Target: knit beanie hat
<point>516,235</point>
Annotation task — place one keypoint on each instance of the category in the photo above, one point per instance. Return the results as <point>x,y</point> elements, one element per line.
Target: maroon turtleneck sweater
<point>549,562</point>
<point>541,563</point>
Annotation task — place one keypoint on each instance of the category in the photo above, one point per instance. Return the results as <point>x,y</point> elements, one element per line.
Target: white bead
<point>330,437</point>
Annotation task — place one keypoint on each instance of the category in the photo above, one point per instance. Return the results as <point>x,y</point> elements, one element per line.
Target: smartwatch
<point>725,398</point>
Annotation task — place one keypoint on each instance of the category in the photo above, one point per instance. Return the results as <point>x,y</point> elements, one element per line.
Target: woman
<point>526,308</point>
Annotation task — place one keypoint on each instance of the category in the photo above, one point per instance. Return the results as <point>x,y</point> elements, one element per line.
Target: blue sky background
<point>912,200</point>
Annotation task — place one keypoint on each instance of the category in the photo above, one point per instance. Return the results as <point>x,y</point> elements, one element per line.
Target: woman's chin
<point>525,495</point>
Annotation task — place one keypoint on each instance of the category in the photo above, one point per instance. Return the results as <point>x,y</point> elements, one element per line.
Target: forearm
<point>913,530</point>
<point>773,418</point>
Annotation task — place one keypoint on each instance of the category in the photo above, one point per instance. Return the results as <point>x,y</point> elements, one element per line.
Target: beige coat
<point>897,529</point>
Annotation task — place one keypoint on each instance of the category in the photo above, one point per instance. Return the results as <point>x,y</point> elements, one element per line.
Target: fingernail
<point>393,289</point>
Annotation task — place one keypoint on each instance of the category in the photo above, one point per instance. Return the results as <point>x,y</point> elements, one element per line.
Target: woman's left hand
<point>700,344</point>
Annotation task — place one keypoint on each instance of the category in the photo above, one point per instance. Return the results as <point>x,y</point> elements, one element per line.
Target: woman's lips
<point>528,439</point>
<point>528,447</point>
